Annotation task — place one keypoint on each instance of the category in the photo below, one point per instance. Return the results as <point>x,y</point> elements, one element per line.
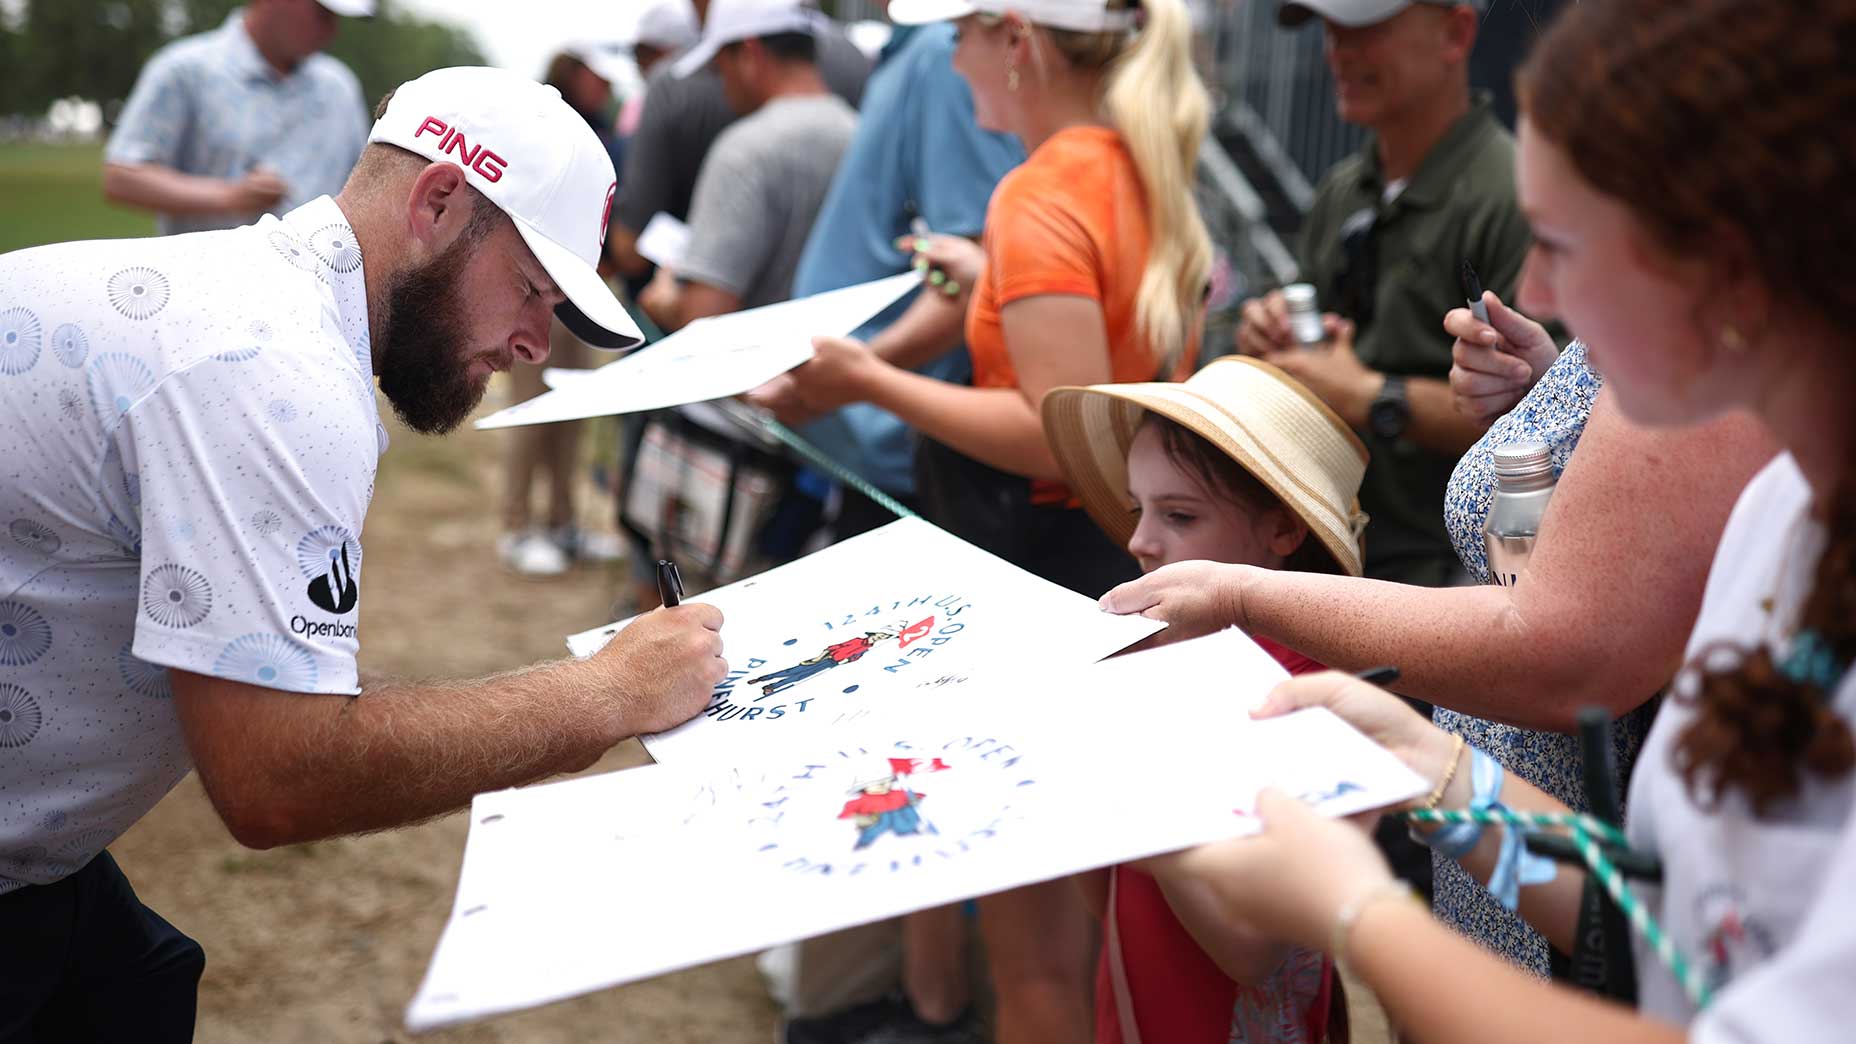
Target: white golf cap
<point>608,61</point>
<point>533,156</point>
<point>1355,14</point>
<point>1080,16</point>
<point>668,25</point>
<point>731,21</point>
<point>350,8</point>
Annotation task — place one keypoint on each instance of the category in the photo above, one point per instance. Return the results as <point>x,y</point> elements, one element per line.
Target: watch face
<point>1390,413</point>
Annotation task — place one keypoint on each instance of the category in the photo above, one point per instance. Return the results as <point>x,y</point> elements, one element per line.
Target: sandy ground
<point>326,942</point>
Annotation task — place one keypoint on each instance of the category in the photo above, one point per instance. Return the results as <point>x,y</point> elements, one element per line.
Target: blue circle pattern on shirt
<point>142,677</point>
<point>139,292</point>
<point>321,548</point>
<point>245,353</point>
<point>35,536</point>
<point>24,634</point>
<point>20,716</point>
<point>336,247</point>
<point>117,381</point>
<point>294,252</point>
<point>21,337</point>
<point>266,522</point>
<point>70,344</point>
<point>70,403</point>
<point>1554,413</point>
<point>282,411</point>
<point>270,660</point>
<point>176,596</point>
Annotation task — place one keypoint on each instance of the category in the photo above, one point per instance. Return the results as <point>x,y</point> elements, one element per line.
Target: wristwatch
<point>1390,412</point>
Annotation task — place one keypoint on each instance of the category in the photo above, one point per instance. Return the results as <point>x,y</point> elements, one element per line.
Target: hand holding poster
<point>590,883</point>
<point>900,614</point>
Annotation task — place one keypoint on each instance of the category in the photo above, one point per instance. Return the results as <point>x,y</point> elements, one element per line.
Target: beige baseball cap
<point>1267,421</point>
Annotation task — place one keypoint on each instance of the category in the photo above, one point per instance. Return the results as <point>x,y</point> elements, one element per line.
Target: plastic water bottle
<point>1524,483</point>
<point>1304,315</point>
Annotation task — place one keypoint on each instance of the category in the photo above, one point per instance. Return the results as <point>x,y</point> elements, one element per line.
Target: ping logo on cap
<point>476,157</point>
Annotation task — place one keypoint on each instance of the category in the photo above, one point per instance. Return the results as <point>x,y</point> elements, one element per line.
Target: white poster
<point>591,883</point>
<point>895,617</point>
<point>710,358</point>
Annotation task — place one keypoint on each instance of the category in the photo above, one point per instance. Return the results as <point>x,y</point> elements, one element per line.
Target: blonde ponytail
<point>1154,99</point>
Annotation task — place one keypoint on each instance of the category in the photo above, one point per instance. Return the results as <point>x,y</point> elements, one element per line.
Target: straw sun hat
<point>1256,414</point>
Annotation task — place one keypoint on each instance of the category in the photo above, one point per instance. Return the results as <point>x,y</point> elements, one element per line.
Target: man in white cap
<point>765,178</point>
<point>193,442</point>
<point>245,120</point>
<point>681,118</point>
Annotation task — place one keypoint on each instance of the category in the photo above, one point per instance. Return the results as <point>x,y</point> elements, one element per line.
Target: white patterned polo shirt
<point>189,443</point>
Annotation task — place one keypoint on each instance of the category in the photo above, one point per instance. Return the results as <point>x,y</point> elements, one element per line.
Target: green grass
<point>53,193</point>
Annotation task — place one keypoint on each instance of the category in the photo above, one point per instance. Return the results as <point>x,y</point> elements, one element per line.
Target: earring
<point>1011,77</point>
<point>1731,339</point>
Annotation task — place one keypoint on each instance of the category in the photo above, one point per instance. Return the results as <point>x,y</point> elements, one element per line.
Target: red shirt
<point>844,652</point>
<point>1180,995</point>
<point>874,804</point>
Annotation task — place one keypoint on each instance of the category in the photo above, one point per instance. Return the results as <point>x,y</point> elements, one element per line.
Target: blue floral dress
<point>1554,413</point>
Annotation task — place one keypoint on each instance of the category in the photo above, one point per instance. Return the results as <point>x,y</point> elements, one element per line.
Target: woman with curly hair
<point>1685,164</point>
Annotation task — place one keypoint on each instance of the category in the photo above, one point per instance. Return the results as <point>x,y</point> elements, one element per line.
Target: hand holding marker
<point>934,276</point>
<point>1472,295</point>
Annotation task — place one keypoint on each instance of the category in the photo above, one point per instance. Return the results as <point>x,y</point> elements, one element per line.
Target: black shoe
<point>886,1020</point>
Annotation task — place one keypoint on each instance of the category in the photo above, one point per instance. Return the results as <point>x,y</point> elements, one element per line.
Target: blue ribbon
<point>1514,864</point>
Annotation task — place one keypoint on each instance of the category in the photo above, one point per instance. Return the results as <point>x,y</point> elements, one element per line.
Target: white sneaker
<point>597,545</point>
<point>532,554</point>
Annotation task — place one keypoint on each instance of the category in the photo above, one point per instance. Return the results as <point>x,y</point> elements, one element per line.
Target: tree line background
<point>51,49</point>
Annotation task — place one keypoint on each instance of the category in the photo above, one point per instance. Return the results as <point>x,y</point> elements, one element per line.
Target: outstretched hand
<point>1193,599</point>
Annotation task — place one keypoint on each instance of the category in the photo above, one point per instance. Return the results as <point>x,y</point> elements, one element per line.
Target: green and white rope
<point>817,458</point>
<point>1587,834</point>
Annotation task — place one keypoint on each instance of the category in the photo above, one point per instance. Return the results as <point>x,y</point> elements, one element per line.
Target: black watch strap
<point>1390,412</point>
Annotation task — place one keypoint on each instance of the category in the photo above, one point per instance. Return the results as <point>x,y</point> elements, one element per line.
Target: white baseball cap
<point>668,25</point>
<point>350,8</point>
<point>608,61</point>
<point>1355,14</point>
<point>1080,16</point>
<point>731,21</point>
<point>533,156</point>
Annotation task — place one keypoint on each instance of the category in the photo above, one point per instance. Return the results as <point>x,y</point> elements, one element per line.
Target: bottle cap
<point>1518,460</point>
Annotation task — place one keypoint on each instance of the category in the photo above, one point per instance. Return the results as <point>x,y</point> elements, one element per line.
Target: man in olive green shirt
<point>1383,245</point>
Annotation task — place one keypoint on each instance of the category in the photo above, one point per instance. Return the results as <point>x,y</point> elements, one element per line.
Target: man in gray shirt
<point>766,176</point>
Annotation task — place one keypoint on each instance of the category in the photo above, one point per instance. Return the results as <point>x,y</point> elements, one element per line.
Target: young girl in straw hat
<point>1243,465</point>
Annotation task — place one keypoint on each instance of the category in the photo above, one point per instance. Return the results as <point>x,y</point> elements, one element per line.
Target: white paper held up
<point>578,886</point>
<point>892,618</point>
<point>710,358</point>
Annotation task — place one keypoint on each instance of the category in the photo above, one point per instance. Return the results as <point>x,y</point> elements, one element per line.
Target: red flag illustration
<point>915,632</point>
<point>909,766</point>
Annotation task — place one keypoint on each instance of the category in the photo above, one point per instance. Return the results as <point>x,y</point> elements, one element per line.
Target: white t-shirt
<point>1763,906</point>
<point>191,440</point>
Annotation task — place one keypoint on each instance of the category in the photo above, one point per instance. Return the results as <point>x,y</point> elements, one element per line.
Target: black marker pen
<point>669,583</point>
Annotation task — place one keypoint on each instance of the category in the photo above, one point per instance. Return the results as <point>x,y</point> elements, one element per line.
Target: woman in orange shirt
<point>1095,263</point>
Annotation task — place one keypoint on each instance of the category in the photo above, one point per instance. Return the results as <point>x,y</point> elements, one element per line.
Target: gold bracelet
<point>1443,785</point>
<point>1349,914</point>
